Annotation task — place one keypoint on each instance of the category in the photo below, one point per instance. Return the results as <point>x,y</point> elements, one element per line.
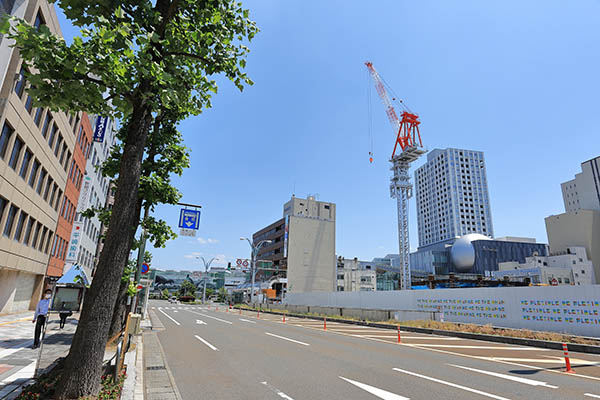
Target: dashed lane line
<point>168,316</point>
<point>279,392</point>
<point>288,339</point>
<point>382,394</point>
<point>206,343</point>
<point>530,382</point>
<point>454,385</point>
<point>592,395</point>
<point>247,320</point>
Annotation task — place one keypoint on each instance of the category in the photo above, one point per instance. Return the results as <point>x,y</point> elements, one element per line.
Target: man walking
<point>41,313</point>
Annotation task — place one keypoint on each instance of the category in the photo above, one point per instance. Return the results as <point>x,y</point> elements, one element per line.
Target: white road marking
<point>452,346</point>
<point>284,338</point>
<point>557,360</point>
<point>153,308</point>
<point>468,389</point>
<point>168,316</point>
<point>382,394</point>
<point>592,395</point>
<point>206,343</point>
<point>279,392</point>
<point>247,320</point>
<point>509,377</point>
<point>208,316</point>
<point>175,311</point>
<point>200,322</point>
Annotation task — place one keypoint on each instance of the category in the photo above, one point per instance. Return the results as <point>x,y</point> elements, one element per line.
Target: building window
<point>33,173</point>
<point>36,235</point>
<point>40,184</point>
<point>7,132</point>
<point>20,85</point>
<point>10,220</point>
<point>25,164</point>
<point>20,224</point>
<point>39,20</point>
<point>47,121</point>
<point>16,153</point>
<point>38,115</point>
<point>29,103</point>
<point>48,186</point>
<point>58,144</point>
<point>28,230</point>
<point>52,135</point>
<point>3,203</point>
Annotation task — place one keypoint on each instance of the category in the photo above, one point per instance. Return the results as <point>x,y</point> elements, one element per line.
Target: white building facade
<point>352,276</point>
<point>452,196</point>
<point>569,268</point>
<point>583,192</point>
<point>86,232</point>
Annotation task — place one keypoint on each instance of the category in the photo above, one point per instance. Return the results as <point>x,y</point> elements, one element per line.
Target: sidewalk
<point>158,383</point>
<point>18,360</point>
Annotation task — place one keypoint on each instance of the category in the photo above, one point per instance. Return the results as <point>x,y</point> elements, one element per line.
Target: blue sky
<point>517,80</point>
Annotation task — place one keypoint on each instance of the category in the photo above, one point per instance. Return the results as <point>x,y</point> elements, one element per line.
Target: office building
<point>85,236</point>
<point>61,246</point>
<point>36,154</point>
<point>303,247</point>
<point>569,268</point>
<point>576,228</point>
<point>354,276</point>
<point>452,196</point>
<point>473,254</point>
<point>583,192</point>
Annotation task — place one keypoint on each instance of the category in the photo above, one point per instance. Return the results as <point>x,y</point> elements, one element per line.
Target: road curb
<point>545,344</point>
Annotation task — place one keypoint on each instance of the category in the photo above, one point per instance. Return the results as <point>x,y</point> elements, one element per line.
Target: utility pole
<point>254,252</point>
<point>206,266</point>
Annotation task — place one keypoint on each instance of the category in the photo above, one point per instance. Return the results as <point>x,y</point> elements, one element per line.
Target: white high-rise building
<point>583,192</point>
<point>452,196</point>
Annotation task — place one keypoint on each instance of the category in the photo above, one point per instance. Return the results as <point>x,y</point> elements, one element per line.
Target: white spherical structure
<point>462,252</point>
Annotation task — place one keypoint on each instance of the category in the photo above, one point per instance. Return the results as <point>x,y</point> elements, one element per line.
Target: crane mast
<point>408,137</point>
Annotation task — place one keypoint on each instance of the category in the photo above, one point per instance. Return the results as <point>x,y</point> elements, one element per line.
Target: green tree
<point>188,288</point>
<point>164,294</point>
<point>222,295</point>
<point>144,56</point>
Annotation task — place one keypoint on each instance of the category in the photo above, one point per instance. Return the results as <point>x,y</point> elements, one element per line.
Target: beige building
<point>583,192</point>
<point>576,228</point>
<point>354,276</point>
<point>310,245</point>
<point>36,151</point>
<point>569,268</point>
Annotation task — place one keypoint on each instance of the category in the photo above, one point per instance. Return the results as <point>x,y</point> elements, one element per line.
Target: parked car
<point>173,299</point>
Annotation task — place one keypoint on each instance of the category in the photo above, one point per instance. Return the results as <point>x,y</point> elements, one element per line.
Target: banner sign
<point>101,124</point>
<point>84,196</point>
<point>73,249</point>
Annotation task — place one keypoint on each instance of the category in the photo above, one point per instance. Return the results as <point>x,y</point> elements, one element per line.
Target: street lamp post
<point>253,262</point>
<point>206,266</point>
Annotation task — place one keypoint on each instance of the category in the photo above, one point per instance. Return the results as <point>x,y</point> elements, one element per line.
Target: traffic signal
<point>229,266</point>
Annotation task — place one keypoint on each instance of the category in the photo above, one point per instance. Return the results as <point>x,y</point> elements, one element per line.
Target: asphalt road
<point>224,355</point>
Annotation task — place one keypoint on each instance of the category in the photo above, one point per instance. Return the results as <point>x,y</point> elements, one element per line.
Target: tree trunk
<point>83,365</point>
<point>120,308</point>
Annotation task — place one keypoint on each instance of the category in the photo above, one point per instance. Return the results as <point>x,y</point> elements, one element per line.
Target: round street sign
<point>140,287</point>
<point>245,263</point>
<point>239,261</point>
<point>554,282</point>
<point>145,268</point>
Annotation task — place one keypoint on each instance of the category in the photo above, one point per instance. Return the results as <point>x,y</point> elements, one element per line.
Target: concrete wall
<point>311,259</point>
<point>569,309</point>
<point>577,228</point>
<point>356,313</point>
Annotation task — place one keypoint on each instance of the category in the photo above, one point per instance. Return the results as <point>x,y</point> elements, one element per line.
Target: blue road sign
<point>189,219</point>
<point>145,268</point>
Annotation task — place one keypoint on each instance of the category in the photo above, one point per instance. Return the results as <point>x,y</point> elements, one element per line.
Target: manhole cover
<point>157,367</point>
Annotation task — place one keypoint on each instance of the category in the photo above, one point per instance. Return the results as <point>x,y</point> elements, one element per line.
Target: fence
<point>565,309</point>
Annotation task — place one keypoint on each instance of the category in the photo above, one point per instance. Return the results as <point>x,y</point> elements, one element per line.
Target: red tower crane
<point>406,129</point>
<point>409,138</point>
